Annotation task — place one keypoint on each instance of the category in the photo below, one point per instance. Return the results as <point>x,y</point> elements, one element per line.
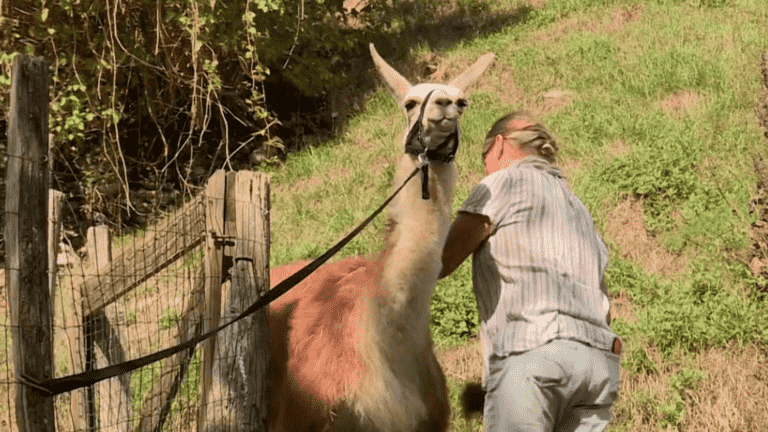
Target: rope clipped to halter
<point>424,167</point>
<point>415,145</point>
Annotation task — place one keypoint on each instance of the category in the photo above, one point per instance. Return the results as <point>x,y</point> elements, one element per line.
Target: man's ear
<point>498,146</point>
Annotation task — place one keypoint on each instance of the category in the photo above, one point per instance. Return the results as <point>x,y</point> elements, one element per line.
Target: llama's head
<point>438,120</point>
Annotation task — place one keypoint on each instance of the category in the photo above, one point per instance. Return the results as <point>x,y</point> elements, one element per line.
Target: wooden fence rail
<point>163,244</point>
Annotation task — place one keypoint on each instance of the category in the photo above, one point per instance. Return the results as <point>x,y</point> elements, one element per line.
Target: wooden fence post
<point>237,396</point>
<point>74,330</point>
<point>214,255</point>
<point>26,241</point>
<point>69,307</point>
<point>115,393</point>
<point>55,203</point>
<point>250,281</point>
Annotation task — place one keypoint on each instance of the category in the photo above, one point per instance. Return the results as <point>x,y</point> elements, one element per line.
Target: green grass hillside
<point>654,105</point>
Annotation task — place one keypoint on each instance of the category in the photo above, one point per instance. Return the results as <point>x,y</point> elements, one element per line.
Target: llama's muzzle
<point>427,151</point>
<point>416,143</point>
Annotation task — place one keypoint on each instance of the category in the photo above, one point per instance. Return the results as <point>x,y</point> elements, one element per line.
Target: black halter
<point>415,145</point>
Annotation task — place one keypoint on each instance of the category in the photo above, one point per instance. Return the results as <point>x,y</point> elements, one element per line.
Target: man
<point>551,361</point>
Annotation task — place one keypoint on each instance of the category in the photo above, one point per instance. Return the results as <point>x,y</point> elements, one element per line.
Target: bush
<point>149,94</point>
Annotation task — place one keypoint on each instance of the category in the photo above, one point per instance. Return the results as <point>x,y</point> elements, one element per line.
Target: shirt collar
<point>537,162</point>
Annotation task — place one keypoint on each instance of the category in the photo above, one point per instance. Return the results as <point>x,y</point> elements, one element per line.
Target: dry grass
<point>7,389</point>
<point>732,397</point>
<point>626,227</point>
<point>464,362</point>
<point>616,21</point>
<point>680,103</point>
<point>735,396</point>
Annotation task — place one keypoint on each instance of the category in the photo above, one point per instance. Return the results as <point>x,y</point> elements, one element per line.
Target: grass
<point>660,108</point>
<point>168,319</point>
<point>141,384</point>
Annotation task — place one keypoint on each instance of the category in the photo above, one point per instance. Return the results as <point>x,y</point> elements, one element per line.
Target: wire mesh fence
<point>130,296</point>
<point>7,394</point>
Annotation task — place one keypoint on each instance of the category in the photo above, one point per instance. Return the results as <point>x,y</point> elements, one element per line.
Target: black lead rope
<point>424,180</point>
<point>65,384</point>
<point>423,156</point>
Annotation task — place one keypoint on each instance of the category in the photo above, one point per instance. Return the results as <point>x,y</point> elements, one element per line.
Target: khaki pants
<point>561,386</point>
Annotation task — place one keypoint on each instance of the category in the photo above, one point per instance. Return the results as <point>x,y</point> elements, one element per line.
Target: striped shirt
<point>539,276</point>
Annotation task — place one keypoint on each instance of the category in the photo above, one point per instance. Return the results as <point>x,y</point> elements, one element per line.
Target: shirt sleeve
<point>494,197</point>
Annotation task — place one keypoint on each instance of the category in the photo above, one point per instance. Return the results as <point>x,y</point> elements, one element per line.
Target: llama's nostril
<point>445,124</point>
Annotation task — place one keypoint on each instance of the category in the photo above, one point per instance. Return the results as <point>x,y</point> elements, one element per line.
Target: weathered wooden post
<point>114,394</point>
<point>73,322</point>
<point>248,344</point>
<point>236,398</point>
<point>214,255</point>
<point>26,222</point>
<point>55,203</point>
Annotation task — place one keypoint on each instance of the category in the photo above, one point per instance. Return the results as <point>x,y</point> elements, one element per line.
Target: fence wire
<point>165,307</point>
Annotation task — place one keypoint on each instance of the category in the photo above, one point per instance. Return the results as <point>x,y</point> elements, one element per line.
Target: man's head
<point>515,136</point>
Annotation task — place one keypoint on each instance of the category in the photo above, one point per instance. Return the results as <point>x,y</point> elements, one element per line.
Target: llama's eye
<point>410,104</point>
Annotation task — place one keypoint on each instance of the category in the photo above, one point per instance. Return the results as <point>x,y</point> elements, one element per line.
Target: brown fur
<point>322,318</point>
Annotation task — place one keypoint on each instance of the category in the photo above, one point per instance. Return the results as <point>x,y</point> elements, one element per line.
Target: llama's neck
<point>412,260</point>
<point>398,345</point>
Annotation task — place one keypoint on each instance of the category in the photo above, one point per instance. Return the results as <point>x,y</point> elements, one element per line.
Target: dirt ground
<point>758,256</point>
<point>758,253</point>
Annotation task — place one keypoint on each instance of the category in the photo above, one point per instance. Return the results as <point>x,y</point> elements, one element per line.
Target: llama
<point>350,345</point>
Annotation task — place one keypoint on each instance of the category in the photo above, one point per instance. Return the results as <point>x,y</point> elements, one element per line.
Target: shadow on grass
<point>315,118</point>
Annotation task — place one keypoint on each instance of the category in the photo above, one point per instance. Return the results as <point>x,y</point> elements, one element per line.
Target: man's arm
<point>468,232</point>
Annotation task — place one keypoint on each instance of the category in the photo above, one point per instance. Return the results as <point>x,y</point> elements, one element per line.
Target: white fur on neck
<point>398,342</point>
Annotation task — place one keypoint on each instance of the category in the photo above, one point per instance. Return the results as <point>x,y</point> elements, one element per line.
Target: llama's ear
<point>396,84</point>
<point>473,73</point>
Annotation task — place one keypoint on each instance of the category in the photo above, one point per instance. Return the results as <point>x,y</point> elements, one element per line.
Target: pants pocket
<point>546,372</point>
<point>608,375</point>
